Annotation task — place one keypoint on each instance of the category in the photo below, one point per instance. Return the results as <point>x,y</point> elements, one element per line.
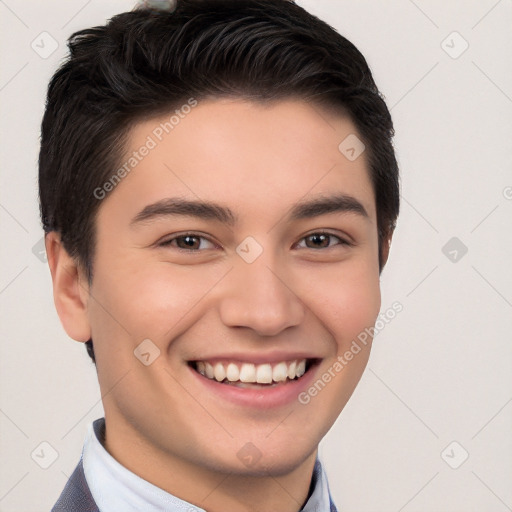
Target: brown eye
<point>189,242</point>
<point>318,241</point>
<point>321,241</point>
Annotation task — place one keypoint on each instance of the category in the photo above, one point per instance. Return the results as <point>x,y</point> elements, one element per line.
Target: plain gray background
<point>438,386</point>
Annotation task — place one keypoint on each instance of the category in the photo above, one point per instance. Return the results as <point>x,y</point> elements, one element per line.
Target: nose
<point>260,298</point>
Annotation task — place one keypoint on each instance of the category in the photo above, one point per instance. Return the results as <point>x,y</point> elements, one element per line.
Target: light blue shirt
<point>115,488</point>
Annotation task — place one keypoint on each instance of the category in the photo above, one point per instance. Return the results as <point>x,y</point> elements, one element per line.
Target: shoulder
<point>76,496</point>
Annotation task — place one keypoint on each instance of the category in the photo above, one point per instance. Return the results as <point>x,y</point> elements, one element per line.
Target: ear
<point>385,247</point>
<point>70,289</point>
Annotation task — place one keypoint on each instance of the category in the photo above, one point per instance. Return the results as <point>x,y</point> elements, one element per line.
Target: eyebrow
<point>339,203</point>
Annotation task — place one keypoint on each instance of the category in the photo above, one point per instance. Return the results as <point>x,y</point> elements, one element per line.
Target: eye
<point>189,242</point>
<point>321,241</point>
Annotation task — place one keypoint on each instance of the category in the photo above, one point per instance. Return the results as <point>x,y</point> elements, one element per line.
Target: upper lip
<point>258,358</point>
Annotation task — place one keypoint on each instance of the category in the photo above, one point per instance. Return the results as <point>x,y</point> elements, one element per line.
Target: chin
<point>260,460</point>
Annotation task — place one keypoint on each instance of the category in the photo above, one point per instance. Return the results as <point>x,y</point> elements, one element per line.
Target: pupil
<point>320,240</point>
<point>189,241</point>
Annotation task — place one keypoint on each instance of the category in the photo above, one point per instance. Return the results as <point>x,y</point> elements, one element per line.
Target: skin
<point>259,161</point>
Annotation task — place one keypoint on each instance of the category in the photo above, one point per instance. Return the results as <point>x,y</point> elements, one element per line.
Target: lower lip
<point>260,398</point>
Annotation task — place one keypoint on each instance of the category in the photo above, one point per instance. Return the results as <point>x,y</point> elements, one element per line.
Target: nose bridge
<point>260,298</point>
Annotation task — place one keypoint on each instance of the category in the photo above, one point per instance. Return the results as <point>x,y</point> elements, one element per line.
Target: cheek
<point>348,305</point>
<point>147,299</point>
<point>347,300</point>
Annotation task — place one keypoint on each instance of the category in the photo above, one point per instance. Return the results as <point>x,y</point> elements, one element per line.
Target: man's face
<point>256,279</point>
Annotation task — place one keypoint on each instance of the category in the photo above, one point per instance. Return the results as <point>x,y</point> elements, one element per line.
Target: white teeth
<point>251,373</point>
<point>291,370</point>
<point>264,374</point>
<point>219,372</point>
<point>248,373</point>
<point>232,372</point>
<point>280,372</point>
<point>301,368</point>
<point>208,368</point>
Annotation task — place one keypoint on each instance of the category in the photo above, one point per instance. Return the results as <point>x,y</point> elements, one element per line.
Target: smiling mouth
<point>248,375</point>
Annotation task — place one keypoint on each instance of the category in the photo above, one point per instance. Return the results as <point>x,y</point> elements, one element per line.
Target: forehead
<point>258,158</point>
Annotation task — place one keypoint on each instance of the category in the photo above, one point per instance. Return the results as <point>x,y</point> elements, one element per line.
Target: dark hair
<point>147,62</point>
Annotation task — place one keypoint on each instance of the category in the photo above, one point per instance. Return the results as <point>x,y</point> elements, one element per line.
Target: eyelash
<point>168,242</point>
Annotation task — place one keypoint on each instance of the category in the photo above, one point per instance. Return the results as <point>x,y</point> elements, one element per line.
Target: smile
<point>245,374</point>
<point>255,381</point>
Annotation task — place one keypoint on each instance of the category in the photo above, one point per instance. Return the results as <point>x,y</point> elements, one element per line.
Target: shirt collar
<point>115,488</point>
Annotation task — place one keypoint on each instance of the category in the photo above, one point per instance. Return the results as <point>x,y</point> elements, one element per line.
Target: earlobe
<point>70,289</point>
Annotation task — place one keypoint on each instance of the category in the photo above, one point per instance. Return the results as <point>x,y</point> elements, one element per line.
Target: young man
<point>218,190</point>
